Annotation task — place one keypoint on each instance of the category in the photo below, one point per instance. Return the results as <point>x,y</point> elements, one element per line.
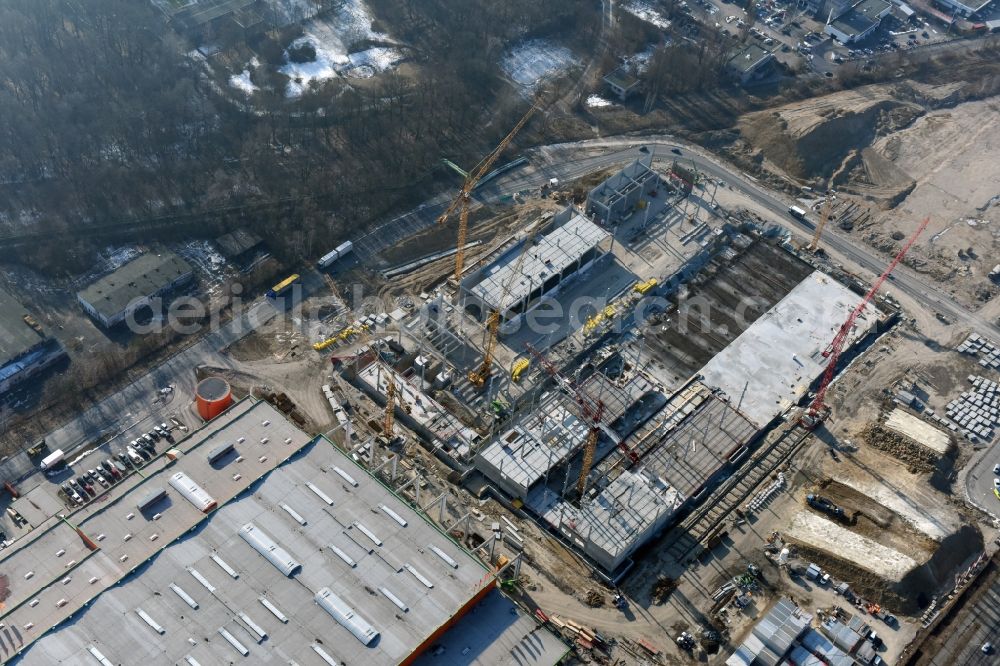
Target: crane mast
<point>824,218</point>
<point>592,413</point>
<point>461,202</point>
<point>818,410</point>
<point>482,372</point>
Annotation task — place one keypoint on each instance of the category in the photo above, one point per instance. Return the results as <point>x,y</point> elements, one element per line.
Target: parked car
<point>109,466</point>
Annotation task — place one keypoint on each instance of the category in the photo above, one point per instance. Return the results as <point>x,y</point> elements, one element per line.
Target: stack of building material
<point>977,413</point>
<point>977,345</point>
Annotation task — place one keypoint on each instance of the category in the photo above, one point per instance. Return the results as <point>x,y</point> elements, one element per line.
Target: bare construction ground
<point>951,156</point>
<point>901,152</point>
<point>721,304</point>
<point>822,534</point>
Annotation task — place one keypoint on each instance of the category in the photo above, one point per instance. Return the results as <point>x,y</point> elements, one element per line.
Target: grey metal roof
<point>16,337</point>
<point>772,637</point>
<point>816,643</point>
<point>141,277</point>
<point>496,633</point>
<point>861,17</point>
<point>237,242</point>
<point>747,59</point>
<point>228,579</point>
<point>842,636</point>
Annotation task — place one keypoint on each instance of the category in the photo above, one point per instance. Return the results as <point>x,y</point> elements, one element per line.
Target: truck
<point>283,286</point>
<point>51,460</point>
<point>797,213</point>
<point>334,255</point>
<point>826,506</point>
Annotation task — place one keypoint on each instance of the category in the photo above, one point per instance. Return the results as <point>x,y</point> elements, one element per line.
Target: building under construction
<point>660,454</point>
<point>565,248</point>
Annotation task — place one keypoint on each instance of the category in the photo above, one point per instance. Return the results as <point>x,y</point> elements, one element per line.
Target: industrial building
<point>750,63</point>
<point>659,454</point>
<point>773,364</point>
<point>306,559</point>
<point>858,22</point>
<point>25,349</point>
<point>422,413</point>
<point>115,296</point>
<point>241,247</point>
<point>567,247</point>
<point>623,82</point>
<point>784,635</point>
<point>524,459</point>
<point>966,8</point>
<point>773,636</point>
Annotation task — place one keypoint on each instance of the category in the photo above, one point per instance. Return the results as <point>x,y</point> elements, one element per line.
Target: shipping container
<point>333,255</point>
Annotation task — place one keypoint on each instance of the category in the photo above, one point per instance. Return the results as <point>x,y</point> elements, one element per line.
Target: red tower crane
<point>818,409</point>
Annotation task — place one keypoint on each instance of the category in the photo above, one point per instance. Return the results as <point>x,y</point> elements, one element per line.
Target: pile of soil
<point>917,457</point>
<point>594,599</point>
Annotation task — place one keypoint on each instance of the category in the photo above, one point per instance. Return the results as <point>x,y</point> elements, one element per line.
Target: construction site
<point>632,408</point>
<point>639,377</point>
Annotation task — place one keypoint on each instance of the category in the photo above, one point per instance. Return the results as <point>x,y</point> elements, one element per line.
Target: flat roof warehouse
<point>307,559</point>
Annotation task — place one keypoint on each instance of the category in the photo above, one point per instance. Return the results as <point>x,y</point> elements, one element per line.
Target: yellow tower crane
<point>823,219</point>
<point>390,399</point>
<point>461,202</point>
<point>479,376</point>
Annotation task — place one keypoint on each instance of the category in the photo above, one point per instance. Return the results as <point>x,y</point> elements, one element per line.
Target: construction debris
<point>919,458</point>
<point>594,599</point>
<point>662,588</point>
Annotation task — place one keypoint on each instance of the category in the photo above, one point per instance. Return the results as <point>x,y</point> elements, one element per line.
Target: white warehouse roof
<point>396,578</point>
<point>551,254</point>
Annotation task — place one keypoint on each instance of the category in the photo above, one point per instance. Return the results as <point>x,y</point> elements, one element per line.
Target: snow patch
<point>642,9</point>
<point>333,37</point>
<point>242,80</point>
<point>529,63</point>
<point>598,102</point>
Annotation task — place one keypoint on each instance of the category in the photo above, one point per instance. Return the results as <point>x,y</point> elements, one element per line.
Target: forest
<point>109,120</point>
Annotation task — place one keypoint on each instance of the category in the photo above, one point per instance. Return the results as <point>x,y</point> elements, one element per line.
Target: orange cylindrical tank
<point>213,397</point>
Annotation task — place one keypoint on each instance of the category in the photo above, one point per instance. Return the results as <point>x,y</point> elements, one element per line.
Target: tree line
<point>108,118</point>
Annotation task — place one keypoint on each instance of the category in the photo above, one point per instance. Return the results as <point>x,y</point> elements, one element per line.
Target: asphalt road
<point>137,407</point>
<point>979,482</point>
<point>569,161</point>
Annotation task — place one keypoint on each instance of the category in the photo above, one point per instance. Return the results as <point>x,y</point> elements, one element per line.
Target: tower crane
<point>592,412</point>
<point>461,202</point>
<point>823,219</point>
<point>818,410</point>
<point>482,372</point>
